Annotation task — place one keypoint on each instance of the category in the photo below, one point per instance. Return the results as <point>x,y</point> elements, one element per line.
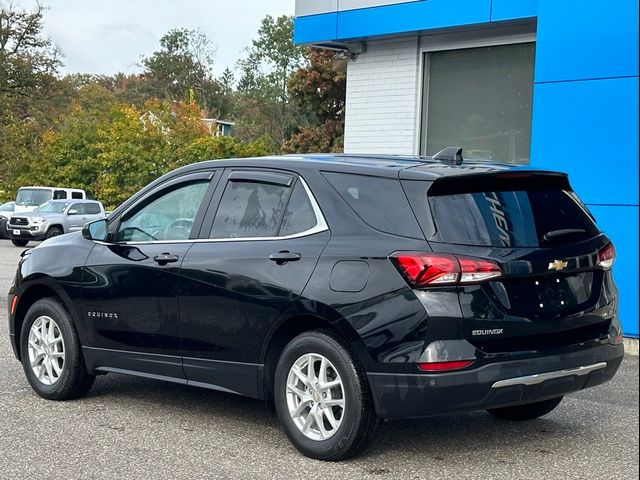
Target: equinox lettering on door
<point>102,315</point>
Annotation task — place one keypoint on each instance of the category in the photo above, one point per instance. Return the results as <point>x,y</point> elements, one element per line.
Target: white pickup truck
<point>30,198</point>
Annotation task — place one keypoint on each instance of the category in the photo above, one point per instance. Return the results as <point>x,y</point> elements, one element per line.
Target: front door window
<point>168,217</point>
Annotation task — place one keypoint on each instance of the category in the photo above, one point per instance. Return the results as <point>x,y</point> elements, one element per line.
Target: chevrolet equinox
<point>342,289</point>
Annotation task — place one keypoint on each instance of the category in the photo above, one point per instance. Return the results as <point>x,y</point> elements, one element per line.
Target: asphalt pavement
<point>135,428</point>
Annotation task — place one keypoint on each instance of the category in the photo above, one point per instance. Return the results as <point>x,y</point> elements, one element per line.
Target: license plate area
<point>16,232</point>
<point>550,294</point>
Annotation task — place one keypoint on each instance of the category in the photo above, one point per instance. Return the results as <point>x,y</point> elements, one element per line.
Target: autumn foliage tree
<point>113,155</point>
<point>318,91</point>
<point>112,134</point>
<point>29,89</point>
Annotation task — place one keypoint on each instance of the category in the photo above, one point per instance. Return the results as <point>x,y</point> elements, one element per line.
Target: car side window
<point>91,208</point>
<point>299,215</point>
<point>77,195</point>
<point>250,209</point>
<point>380,202</point>
<point>169,216</point>
<point>78,207</point>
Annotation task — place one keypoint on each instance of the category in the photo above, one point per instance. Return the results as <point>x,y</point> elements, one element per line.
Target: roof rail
<point>452,155</point>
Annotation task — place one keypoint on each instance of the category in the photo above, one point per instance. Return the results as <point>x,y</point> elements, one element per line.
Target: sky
<point>105,37</point>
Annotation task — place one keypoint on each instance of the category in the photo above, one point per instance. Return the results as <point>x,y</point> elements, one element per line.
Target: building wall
<point>585,113</point>
<point>382,98</point>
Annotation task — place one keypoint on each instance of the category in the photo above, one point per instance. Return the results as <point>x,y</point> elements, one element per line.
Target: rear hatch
<point>552,287</point>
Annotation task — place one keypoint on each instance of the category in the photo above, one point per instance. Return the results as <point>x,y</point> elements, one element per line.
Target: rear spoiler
<point>499,182</point>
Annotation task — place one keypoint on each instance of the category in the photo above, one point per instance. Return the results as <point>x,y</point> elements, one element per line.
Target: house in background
<point>219,128</point>
<point>216,127</point>
<point>549,83</point>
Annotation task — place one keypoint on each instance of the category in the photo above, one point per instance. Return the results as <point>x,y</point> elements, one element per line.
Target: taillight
<point>607,256</point>
<point>433,269</point>
<point>444,366</point>
<point>478,270</point>
<point>427,269</point>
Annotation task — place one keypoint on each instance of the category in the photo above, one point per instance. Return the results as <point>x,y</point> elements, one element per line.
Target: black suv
<point>343,288</point>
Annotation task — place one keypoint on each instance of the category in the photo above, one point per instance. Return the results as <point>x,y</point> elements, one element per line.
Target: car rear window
<point>379,201</point>
<point>522,218</point>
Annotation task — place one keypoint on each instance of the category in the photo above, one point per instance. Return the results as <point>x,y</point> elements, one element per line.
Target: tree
<point>272,56</point>
<point>318,91</point>
<point>112,149</point>
<point>112,134</point>
<point>182,69</point>
<point>30,93</point>
<point>263,104</point>
<point>28,60</point>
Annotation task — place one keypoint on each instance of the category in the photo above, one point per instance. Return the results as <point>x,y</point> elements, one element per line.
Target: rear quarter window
<point>379,201</point>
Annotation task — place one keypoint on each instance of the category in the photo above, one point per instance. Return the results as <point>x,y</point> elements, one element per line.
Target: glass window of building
<point>479,99</point>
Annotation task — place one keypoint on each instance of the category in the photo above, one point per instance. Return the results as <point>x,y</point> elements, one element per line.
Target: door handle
<point>165,258</point>
<point>284,256</point>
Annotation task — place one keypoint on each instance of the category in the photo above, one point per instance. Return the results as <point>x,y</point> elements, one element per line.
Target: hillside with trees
<point>112,134</point>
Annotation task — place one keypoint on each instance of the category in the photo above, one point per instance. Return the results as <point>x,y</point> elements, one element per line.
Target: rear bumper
<point>494,385</point>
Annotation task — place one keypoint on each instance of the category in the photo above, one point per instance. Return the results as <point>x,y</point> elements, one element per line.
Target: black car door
<point>252,261</point>
<point>130,286</point>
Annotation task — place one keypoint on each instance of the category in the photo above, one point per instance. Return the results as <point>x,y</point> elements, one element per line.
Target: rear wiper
<point>554,234</point>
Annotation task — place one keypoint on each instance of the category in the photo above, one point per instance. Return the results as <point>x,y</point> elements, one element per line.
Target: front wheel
<point>51,354</point>
<point>322,398</point>
<point>20,243</point>
<point>530,411</point>
<point>53,232</point>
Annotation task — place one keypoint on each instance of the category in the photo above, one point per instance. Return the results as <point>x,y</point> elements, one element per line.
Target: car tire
<point>53,232</point>
<point>351,427</point>
<point>62,373</point>
<point>530,411</point>
<point>20,243</point>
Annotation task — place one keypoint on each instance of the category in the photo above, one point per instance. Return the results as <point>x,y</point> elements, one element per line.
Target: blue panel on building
<point>588,39</point>
<point>512,9</point>
<point>315,28</point>
<point>590,130</point>
<point>621,225</point>
<point>409,17</point>
<point>403,17</point>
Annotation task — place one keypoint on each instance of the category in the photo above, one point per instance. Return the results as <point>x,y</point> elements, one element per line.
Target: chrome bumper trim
<point>543,377</point>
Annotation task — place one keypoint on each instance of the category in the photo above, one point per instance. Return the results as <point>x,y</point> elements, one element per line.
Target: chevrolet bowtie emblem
<point>557,265</point>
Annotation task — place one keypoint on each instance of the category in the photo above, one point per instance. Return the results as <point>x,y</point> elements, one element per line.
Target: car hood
<point>67,239</point>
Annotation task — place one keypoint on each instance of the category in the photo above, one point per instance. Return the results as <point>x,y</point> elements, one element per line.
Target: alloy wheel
<point>315,396</point>
<point>46,350</point>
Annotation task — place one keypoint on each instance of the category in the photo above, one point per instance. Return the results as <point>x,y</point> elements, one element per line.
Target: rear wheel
<point>530,411</point>
<point>20,243</point>
<point>322,398</point>
<point>51,354</point>
<point>53,232</point>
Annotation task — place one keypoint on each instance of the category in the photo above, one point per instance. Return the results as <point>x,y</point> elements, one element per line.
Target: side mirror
<point>97,230</point>
<point>72,212</point>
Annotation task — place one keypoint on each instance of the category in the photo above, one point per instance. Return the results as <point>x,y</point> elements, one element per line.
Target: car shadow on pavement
<point>437,438</point>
